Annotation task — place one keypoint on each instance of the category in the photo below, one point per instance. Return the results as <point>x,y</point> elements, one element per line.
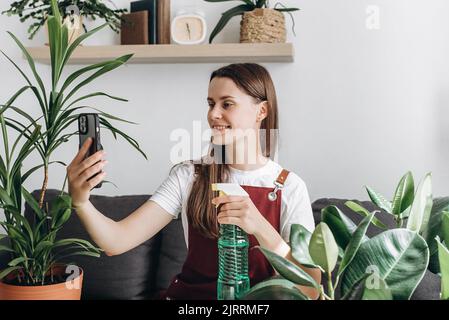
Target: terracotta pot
<point>263,26</point>
<point>69,290</point>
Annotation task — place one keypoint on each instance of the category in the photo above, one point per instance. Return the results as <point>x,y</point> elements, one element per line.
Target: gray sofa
<point>144,271</point>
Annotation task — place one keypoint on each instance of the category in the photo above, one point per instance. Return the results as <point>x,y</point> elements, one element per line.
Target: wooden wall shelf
<point>205,53</point>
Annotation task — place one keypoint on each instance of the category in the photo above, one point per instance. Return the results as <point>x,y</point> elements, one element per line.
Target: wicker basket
<point>263,25</point>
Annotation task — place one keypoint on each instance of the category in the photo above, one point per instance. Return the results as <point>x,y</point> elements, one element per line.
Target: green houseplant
<point>247,7</point>
<point>38,11</point>
<point>443,256</point>
<point>387,266</point>
<point>405,204</point>
<point>33,247</point>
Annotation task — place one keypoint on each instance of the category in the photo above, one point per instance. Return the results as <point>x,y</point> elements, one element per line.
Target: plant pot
<point>263,26</point>
<point>69,290</point>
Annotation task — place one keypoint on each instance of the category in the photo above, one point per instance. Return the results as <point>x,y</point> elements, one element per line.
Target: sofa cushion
<point>173,252</point>
<point>4,256</point>
<point>428,288</point>
<point>126,276</point>
<point>383,216</point>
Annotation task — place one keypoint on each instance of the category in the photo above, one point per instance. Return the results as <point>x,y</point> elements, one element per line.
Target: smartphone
<point>89,127</point>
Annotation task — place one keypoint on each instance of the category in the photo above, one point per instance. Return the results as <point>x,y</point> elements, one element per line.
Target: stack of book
<point>148,23</point>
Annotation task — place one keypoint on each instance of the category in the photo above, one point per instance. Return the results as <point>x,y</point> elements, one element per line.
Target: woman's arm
<point>113,237</point>
<point>118,237</point>
<point>271,240</point>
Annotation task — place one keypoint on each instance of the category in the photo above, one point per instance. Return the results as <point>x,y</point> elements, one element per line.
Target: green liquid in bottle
<point>233,279</point>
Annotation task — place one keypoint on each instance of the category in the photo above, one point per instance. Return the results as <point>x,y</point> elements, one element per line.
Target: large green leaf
<point>76,43</point>
<point>275,288</point>
<point>376,289</point>
<point>299,243</point>
<point>289,270</point>
<point>323,249</point>
<point>96,94</point>
<point>5,248</point>
<point>354,244</point>
<point>75,75</point>
<point>275,292</point>
<point>440,205</point>
<point>116,131</point>
<point>363,212</point>
<point>445,227</point>
<point>379,200</point>
<point>369,287</point>
<point>400,256</point>
<point>32,203</point>
<point>108,66</point>
<point>83,243</point>
<point>41,100</point>
<point>30,63</point>
<point>226,16</point>
<point>342,227</point>
<point>8,270</point>
<point>421,206</point>
<point>443,255</point>
<point>403,196</point>
<point>5,198</point>
<point>18,261</point>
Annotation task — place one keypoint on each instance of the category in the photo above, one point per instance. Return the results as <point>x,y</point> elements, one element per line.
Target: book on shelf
<point>151,7</point>
<point>134,28</point>
<point>163,21</point>
<point>159,18</point>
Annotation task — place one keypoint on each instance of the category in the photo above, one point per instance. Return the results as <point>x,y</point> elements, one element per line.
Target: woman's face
<point>232,114</point>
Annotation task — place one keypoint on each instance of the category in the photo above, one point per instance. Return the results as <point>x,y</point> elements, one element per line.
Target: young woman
<point>241,99</point>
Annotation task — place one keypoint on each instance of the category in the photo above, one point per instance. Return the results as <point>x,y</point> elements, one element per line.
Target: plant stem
<point>330,288</point>
<point>63,185</point>
<point>44,185</point>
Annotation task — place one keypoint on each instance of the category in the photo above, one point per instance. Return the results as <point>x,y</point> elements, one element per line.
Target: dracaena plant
<point>248,5</point>
<point>34,247</point>
<point>410,209</point>
<point>38,11</point>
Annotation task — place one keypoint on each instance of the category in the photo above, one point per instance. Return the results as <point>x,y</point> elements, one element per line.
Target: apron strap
<point>282,177</point>
<point>278,184</point>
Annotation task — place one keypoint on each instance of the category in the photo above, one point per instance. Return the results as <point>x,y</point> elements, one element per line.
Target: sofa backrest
<point>137,274</point>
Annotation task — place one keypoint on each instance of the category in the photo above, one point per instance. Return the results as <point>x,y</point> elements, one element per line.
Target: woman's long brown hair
<point>255,81</point>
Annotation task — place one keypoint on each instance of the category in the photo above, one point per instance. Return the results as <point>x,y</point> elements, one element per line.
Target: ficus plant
<point>376,268</point>
<point>411,209</point>
<point>34,247</point>
<point>248,5</point>
<point>443,256</point>
<point>389,265</point>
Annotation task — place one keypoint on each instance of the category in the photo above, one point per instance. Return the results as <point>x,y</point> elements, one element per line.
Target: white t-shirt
<point>173,193</point>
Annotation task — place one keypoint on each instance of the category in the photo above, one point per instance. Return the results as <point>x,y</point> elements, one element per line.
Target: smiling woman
<point>242,104</point>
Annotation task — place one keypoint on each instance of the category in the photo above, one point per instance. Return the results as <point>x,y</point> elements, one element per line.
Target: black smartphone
<point>89,127</point>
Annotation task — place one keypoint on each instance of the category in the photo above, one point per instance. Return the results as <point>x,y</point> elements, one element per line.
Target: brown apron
<point>198,278</point>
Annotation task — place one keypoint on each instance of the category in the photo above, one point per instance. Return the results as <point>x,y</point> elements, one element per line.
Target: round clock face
<point>188,29</point>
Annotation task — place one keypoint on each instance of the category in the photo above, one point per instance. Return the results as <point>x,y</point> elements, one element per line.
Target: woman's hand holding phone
<point>81,169</point>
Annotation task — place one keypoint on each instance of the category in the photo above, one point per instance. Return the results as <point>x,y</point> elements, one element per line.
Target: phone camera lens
<point>83,127</point>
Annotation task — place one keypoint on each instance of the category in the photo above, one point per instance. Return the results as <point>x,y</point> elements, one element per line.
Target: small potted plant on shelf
<point>259,22</point>
<point>36,253</point>
<point>73,12</point>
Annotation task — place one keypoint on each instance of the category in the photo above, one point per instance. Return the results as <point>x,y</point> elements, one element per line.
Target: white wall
<point>357,106</point>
